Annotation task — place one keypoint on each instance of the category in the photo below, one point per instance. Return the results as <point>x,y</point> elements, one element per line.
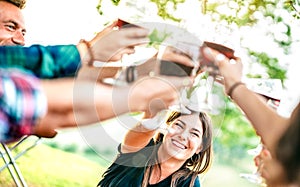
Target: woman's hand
<point>230,69</point>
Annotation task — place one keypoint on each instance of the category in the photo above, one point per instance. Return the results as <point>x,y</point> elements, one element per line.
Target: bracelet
<point>233,87</point>
<point>88,46</point>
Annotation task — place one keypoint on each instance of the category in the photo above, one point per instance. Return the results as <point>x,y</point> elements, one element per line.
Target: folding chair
<point>6,152</point>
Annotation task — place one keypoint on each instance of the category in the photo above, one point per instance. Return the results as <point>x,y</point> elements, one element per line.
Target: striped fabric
<point>22,103</point>
<point>43,61</point>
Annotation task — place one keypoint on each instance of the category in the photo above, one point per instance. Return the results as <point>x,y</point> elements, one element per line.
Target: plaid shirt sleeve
<point>43,61</point>
<point>22,103</point>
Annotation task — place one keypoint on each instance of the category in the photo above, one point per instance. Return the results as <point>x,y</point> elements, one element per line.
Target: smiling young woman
<point>176,157</point>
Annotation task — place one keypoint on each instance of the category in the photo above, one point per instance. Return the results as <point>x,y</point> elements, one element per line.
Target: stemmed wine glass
<point>255,177</point>
<point>198,96</point>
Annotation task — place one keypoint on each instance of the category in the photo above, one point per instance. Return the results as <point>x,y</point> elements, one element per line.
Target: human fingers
<point>157,105</point>
<point>230,69</point>
<point>257,160</point>
<point>214,56</point>
<point>174,55</point>
<point>170,94</point>
<point>46,131</point>
<point>103,32</point>
<point>135,32</point>
<point>163,93</point>
<point>156,122</point>
<point>110,27</point>
<point>220,59</point>
<point>264,157</point>
<point>133,36</point>
<point>266,154</point>
<point>113,24</point>
<point>112,45</point>
<point>119,55</point>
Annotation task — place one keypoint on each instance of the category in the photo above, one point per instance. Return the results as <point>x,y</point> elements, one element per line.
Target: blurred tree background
<point>234,135</point>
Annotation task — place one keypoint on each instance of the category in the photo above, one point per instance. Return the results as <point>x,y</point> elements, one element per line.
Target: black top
<point>128,171</point>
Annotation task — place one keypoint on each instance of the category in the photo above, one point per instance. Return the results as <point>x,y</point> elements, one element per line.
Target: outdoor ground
<point>45,166</point>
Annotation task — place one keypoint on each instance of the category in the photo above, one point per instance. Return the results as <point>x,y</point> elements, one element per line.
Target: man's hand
<point>112,45</point>
<point>153,94</point>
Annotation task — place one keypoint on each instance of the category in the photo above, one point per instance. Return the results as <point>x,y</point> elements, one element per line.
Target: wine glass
<point>197,97</point>
<point>205,104</point>
<point>255,177</point>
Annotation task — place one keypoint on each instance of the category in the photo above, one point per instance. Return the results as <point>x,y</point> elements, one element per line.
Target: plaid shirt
<point>21,103</point>
<point>43,61</point>
<point>21,99</point>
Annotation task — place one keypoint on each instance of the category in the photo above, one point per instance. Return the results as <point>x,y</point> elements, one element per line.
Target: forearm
<point>81,102</point>
<point>96,74</point>
<point>136,138</point>
<point>267,123</point>
<point>59,114</point>
<point>110,101</point>
<point>144,131</point>
<point>44,62</point>
<point>137,97</point>
<point>75,100</point>
<point>86,102</point>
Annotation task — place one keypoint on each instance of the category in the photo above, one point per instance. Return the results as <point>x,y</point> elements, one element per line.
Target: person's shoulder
<point>187,181</point>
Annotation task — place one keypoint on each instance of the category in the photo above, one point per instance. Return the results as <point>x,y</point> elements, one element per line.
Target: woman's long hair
<point>197,164</point>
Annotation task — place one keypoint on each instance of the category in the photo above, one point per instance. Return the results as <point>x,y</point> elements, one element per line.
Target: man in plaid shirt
<point>22,101</point>
<point>24,98</point>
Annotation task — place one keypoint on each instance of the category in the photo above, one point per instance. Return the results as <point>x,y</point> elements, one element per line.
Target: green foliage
<point>240,12</point>
<point>99,7</point>
<point>272,66</point>
<point>233,134</point>
<point>163,5</point>
<point>293,7</point>
<point>202,76</point>
<point>116,2</point>
<point>156,38</point>
<point>244,11</point>
<point>72,148</point>
<point>53,144</point>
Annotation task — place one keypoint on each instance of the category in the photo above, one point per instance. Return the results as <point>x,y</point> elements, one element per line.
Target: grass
<point>44,166</point>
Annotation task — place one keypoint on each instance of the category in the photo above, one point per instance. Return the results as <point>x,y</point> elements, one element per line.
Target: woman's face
<point>184,138</point>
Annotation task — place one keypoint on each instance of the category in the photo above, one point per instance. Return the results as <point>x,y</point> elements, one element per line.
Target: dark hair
<point>287,149</point>
<point>19,3</point>
<point>198,163</point>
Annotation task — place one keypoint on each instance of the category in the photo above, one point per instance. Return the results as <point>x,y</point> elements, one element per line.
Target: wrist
<point>158,121</point>
<point>85,51</point>
<point>150,124</point>
<point>233,88</point>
